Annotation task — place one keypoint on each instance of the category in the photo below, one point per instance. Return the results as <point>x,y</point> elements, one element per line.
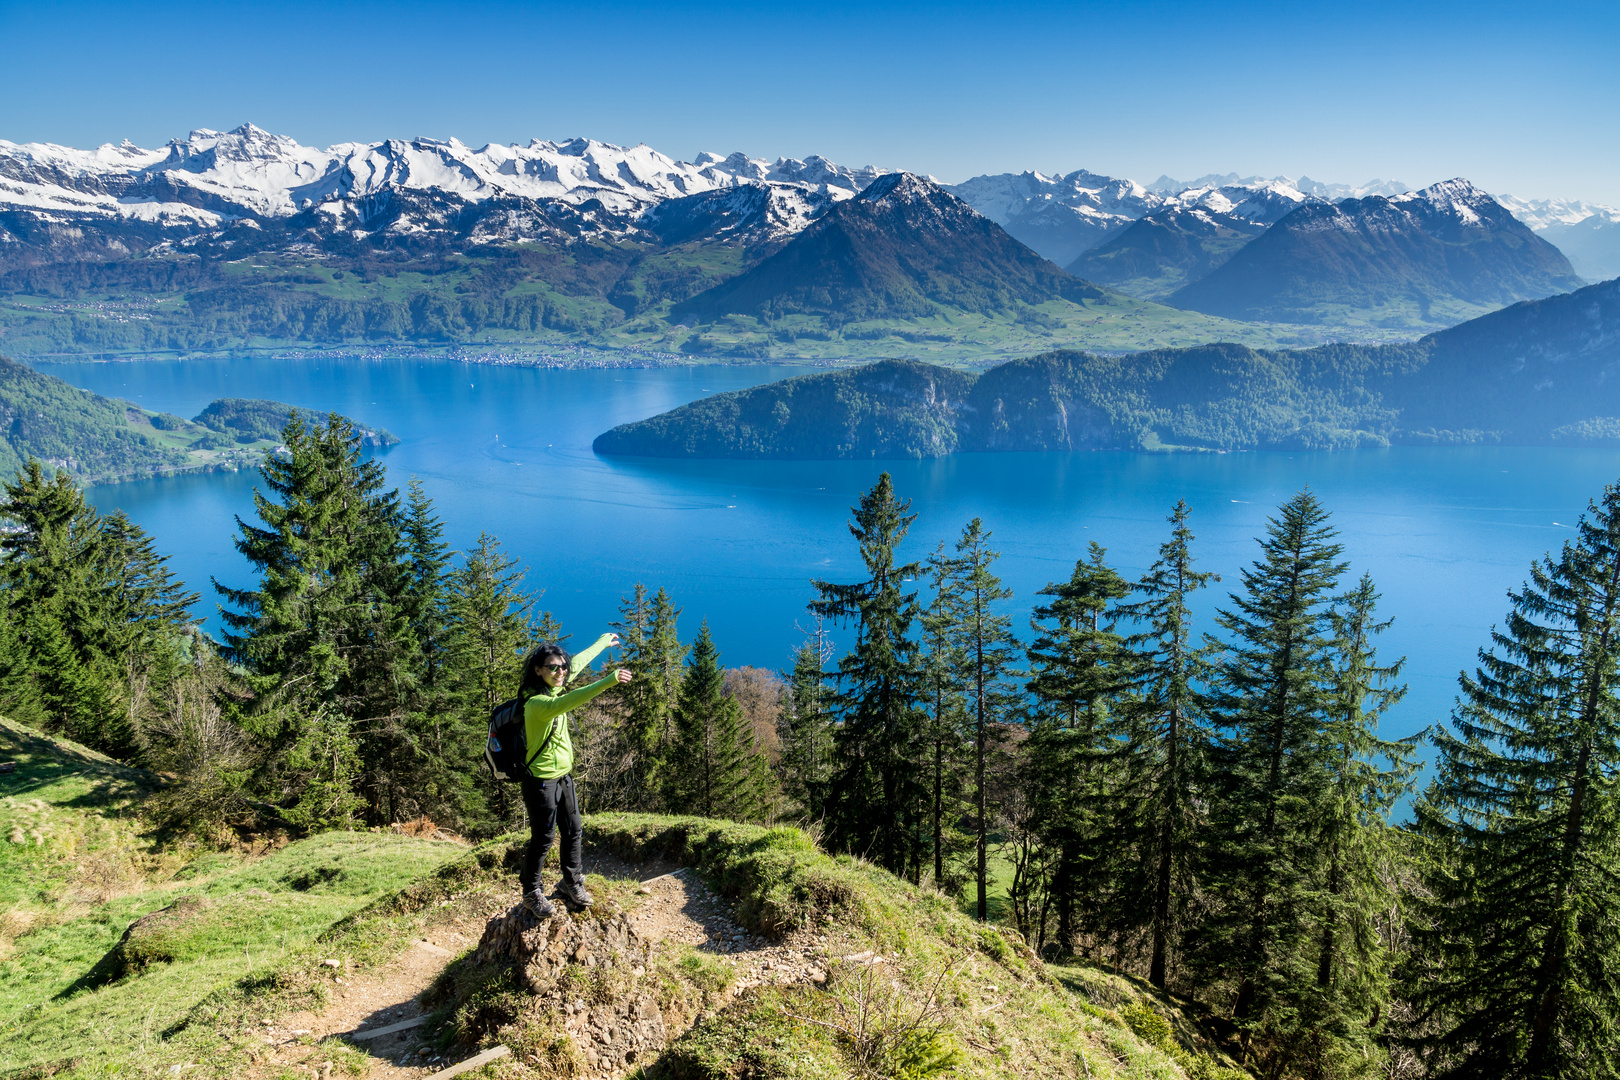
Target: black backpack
<point>506,752</point>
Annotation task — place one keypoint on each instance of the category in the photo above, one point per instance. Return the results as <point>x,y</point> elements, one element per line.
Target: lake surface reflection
<point>1444,532</point>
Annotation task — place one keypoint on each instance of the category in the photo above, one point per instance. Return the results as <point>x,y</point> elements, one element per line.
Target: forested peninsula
<point>1537,373</point>
<point>101,440</point>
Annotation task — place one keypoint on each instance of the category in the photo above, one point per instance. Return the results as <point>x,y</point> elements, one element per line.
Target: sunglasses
<point>553,667</point>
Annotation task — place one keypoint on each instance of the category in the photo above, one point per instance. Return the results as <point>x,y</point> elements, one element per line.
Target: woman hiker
<point>548,788</point>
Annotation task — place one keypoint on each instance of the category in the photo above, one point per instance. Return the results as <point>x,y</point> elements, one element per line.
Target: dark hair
<point>531,683</point>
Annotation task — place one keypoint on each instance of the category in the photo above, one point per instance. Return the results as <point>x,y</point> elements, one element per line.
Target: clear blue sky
<point>1522,99</point>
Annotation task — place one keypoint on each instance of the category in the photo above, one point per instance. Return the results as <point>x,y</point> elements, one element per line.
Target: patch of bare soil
<point>678,908</point>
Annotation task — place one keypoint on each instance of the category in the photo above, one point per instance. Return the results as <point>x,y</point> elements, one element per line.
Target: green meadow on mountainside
<point>1198,839</point>
<point>499,300</point>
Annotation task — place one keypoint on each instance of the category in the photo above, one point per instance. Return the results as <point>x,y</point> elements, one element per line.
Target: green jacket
<point>551,707</point>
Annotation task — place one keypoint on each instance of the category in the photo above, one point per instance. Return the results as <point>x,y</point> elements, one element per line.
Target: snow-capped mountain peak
<point>250,172</point>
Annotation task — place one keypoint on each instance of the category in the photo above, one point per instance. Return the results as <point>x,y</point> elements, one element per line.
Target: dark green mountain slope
<point>88,435</point>
<point>902,248</point>
<point>102,440</point>
<point>892,408</point>
<point>1542,372</point>
<point>253,420</point>
<point>1540,368</point>
<point>1425,260</point>
<point>1165,250</point>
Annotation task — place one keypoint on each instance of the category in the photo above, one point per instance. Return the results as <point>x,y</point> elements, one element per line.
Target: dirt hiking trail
<point>659,903</point>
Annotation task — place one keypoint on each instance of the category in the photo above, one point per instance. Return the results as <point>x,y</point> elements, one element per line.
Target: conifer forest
<point>1208,806</point>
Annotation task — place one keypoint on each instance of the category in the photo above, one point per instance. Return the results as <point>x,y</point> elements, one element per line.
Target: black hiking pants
<point>552,807</point>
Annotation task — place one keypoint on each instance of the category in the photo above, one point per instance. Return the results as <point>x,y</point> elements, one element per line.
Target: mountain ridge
<point>1424,257</point>
<point>900,248</point>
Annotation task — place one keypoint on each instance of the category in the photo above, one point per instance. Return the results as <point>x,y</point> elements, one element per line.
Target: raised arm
<point>583,658</point>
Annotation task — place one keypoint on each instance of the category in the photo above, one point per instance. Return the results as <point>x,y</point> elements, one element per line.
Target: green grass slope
<point>77,869</point>
<point>914,987</point>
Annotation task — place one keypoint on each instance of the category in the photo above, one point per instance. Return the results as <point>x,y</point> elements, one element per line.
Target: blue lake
<point>1444,532</point>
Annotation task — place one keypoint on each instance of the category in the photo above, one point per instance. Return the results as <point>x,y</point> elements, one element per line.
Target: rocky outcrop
<point>588,968</point>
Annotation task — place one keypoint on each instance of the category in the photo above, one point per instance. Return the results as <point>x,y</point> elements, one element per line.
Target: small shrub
<point>1149,1026</point>
<point>540,1047</point>
<point>884,1029</point>
<point>993,944</point>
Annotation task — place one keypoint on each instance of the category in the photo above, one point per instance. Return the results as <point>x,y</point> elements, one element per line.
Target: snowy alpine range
<point>211,180</point>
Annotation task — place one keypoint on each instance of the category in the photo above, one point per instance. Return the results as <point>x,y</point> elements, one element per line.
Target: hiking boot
<point>538,906</point>
<point>574,895</point>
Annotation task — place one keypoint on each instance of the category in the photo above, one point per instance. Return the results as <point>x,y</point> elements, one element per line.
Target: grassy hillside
<point>77,869</point>
<point>239,945</point>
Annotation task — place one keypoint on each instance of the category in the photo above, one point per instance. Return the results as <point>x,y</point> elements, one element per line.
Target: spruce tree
<point>428,558</point>
<point>1078,665</point>
<point>876,784</point>
<point>140,628</point>
<point>1358,847</point>
<point>1275,689</point>
<point>325,637</point>
<point>947,742</point>
<point>714,769</point>
<point>66,693</point>
<point>987,652</point>
<point>1518,947</point>
<point>1161,784</point>
<point>48,558</point>
<point>651,647</point>
<point>805,730</point>
<point>95,586</point>
<point>492,625</point>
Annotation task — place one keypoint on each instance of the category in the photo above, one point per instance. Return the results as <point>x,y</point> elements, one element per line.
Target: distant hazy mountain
<point>1194,233</point>
<point>1063,217</point>
<point>1304,185</point>
<point>1159,253</point>
<point>1589,233</point>
<point>1426,259</point>
<point>1057,216</point>
<point>1536,373</point>
<point>903,248</point>
<point>1542,369</point>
